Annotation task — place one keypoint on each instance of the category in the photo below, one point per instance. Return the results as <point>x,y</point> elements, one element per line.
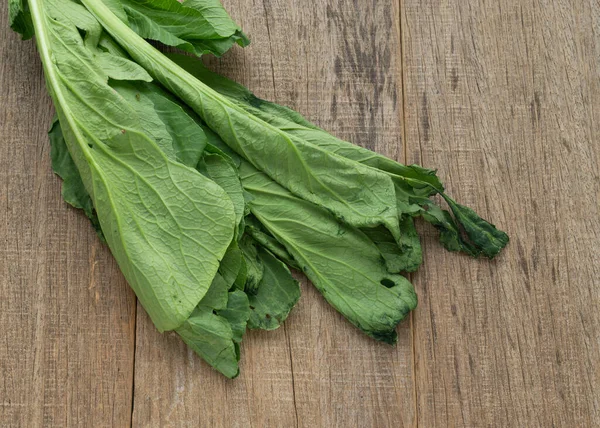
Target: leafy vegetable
<point>165,121</point>
<point>413,184</point>
<point>268,242</point>
<point>20,18</point>
<point>195,26</point>
<point>204,192</point>
<point>356,194</point>
<point>73,190</point>
<point>223,173</point>
<point>275,295</point>
<point>167,225</point>
<point>404,255</point>
<point>254,264</point>
<point>339,260</point>
<point>214,330</point>
<point>215,327</point>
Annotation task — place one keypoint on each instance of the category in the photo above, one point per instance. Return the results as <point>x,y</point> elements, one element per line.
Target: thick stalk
<point>79,152</point>
<point>42,38</point>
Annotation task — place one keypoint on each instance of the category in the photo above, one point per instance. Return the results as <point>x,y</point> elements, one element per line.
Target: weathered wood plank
<point>504,98</point>
<point>66,314</point>
<point>336,62</point>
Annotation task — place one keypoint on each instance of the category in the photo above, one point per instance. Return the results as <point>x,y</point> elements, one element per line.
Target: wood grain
<point>336,64</point>
<point>66,314</point>
<point>504,98</point>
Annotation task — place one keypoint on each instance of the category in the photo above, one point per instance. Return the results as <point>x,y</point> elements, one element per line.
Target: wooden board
<point>503,98</point>
<point>66,315</point>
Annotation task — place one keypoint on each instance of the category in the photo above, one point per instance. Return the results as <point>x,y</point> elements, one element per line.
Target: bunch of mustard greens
<point>208,195</point>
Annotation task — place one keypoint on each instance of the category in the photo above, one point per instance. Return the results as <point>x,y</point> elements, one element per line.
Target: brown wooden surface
<point>502,97</point>
<point>67,316</point>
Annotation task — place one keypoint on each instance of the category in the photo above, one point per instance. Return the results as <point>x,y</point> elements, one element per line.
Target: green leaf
<point>413,185</point>
<point>450,235</point>
<point>73,190</point>
<point>263,238</point>
<point>240,281</point>
<point>403,256</point>
<point>214,12</point>
<point>72,13</point>
<point>341,261</point>
<point>295,124</point>
<point>197,27</point>
<point>211,336</point>
<point>489,240</point>
<point>221,171</point>
<point>237,313</point>
<point>163,120</point>
<point>203,329</point>
<point>167,225</point>
<point>19,18</point>
<point>411,253</point>
<point>119,68</point>
<point>215,328</point>
<point>116,7</point>
<point>172,127</point>
<point>217,295</point>
<point>254,265</point>
<point>276,294</point>
<point>225,175</point>
<point>232,265</point>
